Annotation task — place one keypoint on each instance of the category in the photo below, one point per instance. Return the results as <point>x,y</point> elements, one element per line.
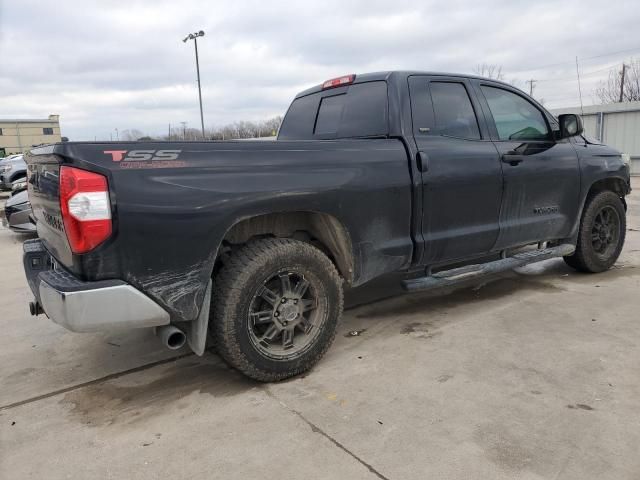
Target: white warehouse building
<point>615,124</point>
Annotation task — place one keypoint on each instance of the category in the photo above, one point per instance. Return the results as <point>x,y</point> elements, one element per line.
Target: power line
<point>613,53</point>
<point>583,74</point>
<point>636,49</point>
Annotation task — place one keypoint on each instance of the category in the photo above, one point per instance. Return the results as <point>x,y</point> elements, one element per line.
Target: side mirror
<point>570,125</point>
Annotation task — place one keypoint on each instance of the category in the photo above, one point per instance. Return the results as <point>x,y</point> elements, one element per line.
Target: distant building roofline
<point>604,108</point>
<point>51,119</point>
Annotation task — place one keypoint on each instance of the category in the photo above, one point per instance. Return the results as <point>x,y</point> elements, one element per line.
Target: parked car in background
<point>9,157</point>
<point>12,168</point>
<point>17,213</point>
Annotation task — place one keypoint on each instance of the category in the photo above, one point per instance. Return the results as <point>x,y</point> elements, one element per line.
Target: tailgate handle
<point>422,159</point>
<point>512,158</point>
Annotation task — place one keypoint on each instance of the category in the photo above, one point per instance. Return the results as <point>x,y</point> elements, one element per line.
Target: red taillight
<point>339,82</point>
<point>85,207</point>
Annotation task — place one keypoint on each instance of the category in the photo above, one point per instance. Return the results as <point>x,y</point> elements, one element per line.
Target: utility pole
<point>184,130</point>
<point>624,67</point>
<point>169,137</point>
<point>194,36</point>
<point>531,85</point>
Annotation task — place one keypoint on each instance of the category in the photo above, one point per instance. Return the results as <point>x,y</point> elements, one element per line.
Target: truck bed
<point>173,203</point>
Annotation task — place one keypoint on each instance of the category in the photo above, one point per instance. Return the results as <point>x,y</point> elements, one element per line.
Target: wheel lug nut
<point>284,300</point>
<point>295,302</point>
<point>276,314</point>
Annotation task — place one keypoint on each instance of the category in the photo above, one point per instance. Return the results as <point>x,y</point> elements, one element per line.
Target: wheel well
<point>616,185</point>
<point>320,229</point>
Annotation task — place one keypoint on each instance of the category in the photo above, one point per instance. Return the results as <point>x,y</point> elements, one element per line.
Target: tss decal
<point>142,155</point>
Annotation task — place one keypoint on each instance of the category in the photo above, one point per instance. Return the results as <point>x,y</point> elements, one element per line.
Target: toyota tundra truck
<point>439,178</point>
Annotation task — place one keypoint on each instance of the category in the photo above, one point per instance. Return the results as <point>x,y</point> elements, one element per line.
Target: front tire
<point>276,307</point>
<point>601,236</point>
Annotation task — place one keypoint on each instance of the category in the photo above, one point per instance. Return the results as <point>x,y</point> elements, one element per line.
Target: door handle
<point>422,159</point>
<point>512,159</point>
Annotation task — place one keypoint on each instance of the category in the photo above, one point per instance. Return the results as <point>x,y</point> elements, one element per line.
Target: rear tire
<point>601,236</point>
<point>276,306</point>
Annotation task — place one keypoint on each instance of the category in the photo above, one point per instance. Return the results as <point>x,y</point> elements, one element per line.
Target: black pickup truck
<point>440,177</point>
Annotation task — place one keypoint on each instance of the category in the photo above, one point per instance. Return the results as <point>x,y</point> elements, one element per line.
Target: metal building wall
<point>620,127</point>
<point>622,130</point>
<point>590,125</point>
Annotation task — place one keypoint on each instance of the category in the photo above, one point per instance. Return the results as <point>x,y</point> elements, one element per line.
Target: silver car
<point>12,169</point>
<point>17,213</point>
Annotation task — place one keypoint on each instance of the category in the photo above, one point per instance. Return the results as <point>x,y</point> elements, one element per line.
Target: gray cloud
<point>121,64</point>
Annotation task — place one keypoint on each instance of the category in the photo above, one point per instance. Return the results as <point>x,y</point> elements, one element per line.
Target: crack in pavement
<point>106,378</point>
<point>318,430</point>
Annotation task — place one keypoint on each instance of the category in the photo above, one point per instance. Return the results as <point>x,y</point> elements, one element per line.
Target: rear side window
<point>454,115</point>
<point>330,114</point>
<point>299,122</point>
<point>515,117</point>
<point>359,110</point>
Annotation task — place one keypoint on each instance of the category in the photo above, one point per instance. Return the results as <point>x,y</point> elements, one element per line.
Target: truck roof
<point>399,75</point>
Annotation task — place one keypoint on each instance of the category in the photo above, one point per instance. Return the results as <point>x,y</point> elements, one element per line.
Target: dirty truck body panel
<point>170,219</point>
<point>418,170</point>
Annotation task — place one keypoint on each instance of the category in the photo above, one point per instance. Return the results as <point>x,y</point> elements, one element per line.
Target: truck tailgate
<point>44,194</point>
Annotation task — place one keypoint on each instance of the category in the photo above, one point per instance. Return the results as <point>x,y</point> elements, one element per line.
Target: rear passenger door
<point>541,175</point>
<point>460,170</point>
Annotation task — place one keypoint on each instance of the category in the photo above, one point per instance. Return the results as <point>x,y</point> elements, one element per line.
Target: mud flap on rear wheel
<point>197,329</point>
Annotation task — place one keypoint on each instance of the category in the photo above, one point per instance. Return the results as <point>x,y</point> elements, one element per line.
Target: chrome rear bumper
<point>119,307</point>
<point>82,306</point>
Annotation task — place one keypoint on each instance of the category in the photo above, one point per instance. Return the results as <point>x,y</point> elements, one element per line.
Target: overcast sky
<point>112,64</point>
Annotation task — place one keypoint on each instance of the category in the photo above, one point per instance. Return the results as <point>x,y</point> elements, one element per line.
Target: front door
<point>460,169</point>
<point>541,175</point>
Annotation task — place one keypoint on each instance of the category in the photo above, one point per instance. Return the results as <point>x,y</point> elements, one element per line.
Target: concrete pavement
<point>533,375</point>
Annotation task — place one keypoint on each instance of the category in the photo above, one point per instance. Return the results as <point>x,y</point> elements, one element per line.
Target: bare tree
<point>131,135</point>
<point>231,131</point>
<point>608,91</point>
<point>495,72</point>
<point>272,125</point>
<point>489,71</point>
<point>245,129</point>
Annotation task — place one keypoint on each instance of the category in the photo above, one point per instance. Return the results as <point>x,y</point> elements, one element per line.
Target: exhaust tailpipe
<point>171,337</point>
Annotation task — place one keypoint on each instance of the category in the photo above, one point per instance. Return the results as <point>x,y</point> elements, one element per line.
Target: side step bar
<point>457,275</point>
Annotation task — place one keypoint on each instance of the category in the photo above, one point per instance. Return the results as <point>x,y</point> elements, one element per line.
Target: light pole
<point>194,36</point>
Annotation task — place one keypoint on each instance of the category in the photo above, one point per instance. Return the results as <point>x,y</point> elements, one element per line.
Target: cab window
<point>359,110</point>
<point>515,117</point>
<point>453,112</point>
